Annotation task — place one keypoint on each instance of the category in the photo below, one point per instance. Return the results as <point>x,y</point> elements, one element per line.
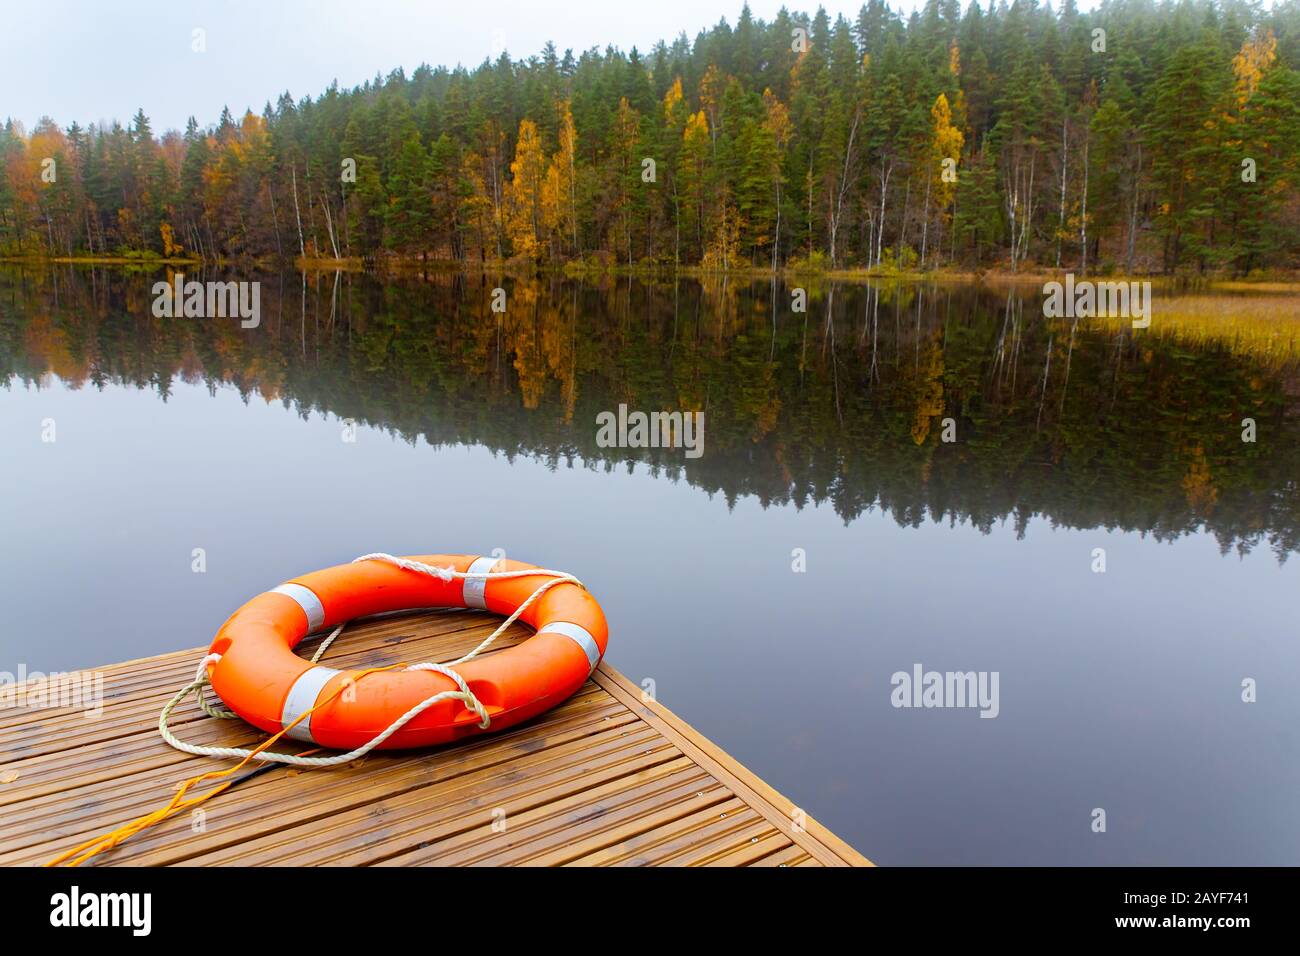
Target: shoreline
<point>1279,282</point>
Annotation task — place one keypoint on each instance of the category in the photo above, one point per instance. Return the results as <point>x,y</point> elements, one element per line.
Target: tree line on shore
<point>1140,136</point>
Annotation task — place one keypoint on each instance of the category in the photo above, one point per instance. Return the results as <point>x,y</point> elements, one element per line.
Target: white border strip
<point>475,589</point>
<point>579,635</point>
<point>308,601</point>
<point>302,696</point>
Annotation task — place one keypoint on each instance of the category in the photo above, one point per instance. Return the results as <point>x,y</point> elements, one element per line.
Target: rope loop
<point>466,696</point>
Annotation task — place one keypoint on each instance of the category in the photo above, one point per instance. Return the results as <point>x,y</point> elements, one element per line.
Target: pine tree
<point>409,216</point>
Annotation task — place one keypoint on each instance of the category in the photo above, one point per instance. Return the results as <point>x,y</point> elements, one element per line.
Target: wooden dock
<point>604,779</point>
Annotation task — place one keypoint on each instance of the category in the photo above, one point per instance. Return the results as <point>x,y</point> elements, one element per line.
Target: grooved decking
<point>604,779</point>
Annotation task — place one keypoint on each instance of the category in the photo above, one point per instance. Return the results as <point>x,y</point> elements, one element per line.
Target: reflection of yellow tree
<point>540,334</point>
<point>47,343</point>
<point>761,401</point>
<point>473,339</point>
<point>1198,484</point>
<point>929,395</point>
<point>718,293</point>
<point>524,340</point>
<point>266,374</point>
<point>191,365</point>
<point>559,332</point>
<point>228,342</point>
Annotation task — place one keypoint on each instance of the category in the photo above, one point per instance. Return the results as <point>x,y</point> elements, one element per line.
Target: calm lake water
<point>823,446</point>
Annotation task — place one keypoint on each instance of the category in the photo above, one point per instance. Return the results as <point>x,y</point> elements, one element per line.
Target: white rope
<point>462,692</point>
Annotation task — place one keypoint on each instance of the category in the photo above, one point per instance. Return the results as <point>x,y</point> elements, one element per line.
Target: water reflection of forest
<point>1089,427</point>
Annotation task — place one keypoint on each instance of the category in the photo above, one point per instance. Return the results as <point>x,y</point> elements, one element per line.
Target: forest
<point>1139,137</point>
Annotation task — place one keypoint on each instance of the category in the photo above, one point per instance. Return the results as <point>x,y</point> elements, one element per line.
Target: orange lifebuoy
<point>263,681</point>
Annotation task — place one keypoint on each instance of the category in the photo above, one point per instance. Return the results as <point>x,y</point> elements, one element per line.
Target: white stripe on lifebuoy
<point>475,589</point>
<point>579,635</point>
<point>308,601</point>
<point>302,697</point>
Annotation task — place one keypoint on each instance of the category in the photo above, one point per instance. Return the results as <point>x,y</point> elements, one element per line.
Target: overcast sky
<point>90,60</point>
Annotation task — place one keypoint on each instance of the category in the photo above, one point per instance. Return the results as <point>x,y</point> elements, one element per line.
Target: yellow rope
<point>84,851</point>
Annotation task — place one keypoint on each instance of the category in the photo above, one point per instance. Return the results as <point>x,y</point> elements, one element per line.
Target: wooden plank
<point>788,856</point>
<point>604,779</point>
<point>286,797</point>
<point>434,813</point>
<point>757,848</point>
<point>821,842</point>
<point>613,829</point>
<point>519,834</point>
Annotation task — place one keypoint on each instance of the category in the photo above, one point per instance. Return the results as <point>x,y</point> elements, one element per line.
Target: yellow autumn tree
<point>1250,64</point>
<point>944,149</point>
<point>777,118</point>
<point>170,246</point>
<point>559,215</point>
<point>946,142</point>
<point>524,216</point>
<point>675,111</point>
<point>712,87</point>
<point>958,101</point>
<point>692,164</point>
<point>47,141</point>
<point>724,249</point>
